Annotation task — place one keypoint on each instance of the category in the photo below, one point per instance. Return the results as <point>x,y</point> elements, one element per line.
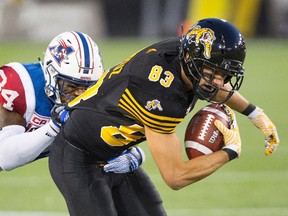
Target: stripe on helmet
<point>91,43</point>
<point>85,56</point>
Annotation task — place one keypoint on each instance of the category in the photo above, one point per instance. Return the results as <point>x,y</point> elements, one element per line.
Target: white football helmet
<point>73,57</point>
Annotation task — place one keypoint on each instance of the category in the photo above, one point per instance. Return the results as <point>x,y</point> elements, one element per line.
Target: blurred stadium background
<point>254,185</point>
<point>39,20</point>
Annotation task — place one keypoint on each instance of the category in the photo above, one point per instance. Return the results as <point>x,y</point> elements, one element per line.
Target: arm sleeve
<point>18,148</point>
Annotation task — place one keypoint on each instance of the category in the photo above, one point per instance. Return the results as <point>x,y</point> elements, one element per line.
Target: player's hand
<point>232,140</point>
<point>59,114</point>
<point>126,162</point>
<point>261,121</point>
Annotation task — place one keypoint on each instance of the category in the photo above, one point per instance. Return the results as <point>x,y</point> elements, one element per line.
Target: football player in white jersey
<point>28,92</point>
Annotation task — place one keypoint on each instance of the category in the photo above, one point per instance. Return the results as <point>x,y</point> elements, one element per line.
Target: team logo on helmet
<point>205,36</point>
<point>61,51</point>
<point>154,104</point>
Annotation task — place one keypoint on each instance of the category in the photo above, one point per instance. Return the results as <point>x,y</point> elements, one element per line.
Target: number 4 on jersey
<point>8,95</point>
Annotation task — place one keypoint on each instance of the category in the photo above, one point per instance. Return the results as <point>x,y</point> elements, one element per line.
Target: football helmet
<point>217,45</point>
<point>73,57</point>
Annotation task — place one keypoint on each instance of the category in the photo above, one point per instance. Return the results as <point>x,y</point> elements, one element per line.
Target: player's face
<point>211,80</point>
<point>70,90</point>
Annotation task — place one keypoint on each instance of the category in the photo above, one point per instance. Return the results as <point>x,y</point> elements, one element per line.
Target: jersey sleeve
<point>13,93</point>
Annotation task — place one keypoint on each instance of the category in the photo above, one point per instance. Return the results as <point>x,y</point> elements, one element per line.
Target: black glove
<point>60,114</point>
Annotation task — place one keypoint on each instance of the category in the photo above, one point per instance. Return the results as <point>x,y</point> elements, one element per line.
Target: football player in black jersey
<point>144,98</point>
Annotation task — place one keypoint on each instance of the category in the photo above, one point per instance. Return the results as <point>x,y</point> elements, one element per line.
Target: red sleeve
<point>12,92</point>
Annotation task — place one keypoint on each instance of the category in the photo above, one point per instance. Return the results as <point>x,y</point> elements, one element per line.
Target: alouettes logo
<point>61,52</point>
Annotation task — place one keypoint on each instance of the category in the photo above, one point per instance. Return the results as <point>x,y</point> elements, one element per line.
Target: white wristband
<point>255,113</point>
<point>139,153</point>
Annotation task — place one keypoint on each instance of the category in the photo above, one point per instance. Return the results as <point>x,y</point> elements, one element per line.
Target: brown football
<point>201,136</point>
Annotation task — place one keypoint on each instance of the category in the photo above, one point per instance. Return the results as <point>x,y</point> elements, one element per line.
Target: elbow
<point>5,165</point>
<point>174,182</point>
<point>9,158</point>
<point>175,187</point>
<point>177,180</point>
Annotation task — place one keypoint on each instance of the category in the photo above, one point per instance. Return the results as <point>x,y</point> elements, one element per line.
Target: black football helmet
<point>218,45</point>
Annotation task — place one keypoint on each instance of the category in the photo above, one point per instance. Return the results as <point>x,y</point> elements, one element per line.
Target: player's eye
<point>67,88</point>
<point>207,76</point>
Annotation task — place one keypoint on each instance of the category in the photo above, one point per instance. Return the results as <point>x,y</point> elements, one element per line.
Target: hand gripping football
<point>201,136</point>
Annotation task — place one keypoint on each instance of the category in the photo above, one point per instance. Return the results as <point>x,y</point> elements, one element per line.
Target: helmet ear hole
<point>197,52</point>
<point>48,62</point>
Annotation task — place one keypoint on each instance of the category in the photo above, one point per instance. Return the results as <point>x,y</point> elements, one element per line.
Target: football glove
<point>232,140</point>
<point>59,114</point>
<point>261,121</point>
<point>126,162</point>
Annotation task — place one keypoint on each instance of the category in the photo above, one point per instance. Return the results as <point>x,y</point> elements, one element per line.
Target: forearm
<point>237,102</point>
<point>199,168</point>
<point>203,166</point>
<point>166,152</point>
<point>18,148</point>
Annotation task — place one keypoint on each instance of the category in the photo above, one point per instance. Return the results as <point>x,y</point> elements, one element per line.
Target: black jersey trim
<point>162,124</point>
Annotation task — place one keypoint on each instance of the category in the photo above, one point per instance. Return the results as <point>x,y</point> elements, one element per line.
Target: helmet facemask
<point>56,91</point>
<point>234,74</point>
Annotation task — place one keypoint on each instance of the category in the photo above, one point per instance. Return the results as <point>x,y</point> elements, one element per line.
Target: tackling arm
<point>17,147</point>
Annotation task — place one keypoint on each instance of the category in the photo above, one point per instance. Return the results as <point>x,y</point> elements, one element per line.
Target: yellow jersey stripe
<point>158,123</point>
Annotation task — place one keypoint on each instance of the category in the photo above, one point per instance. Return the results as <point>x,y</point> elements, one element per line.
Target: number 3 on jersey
<point>155,76</point>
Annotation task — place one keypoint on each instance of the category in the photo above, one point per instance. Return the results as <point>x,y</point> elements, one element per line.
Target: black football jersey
<point>145,89</point>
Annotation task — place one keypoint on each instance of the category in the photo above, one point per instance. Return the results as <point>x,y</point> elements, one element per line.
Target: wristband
<point>231,154</point>
<point>249,109</point>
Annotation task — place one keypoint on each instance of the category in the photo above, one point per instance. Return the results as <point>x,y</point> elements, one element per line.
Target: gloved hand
<point>126,162</point>
<point>232,140</point>
<point>261,121</point>
<point>59,114</point>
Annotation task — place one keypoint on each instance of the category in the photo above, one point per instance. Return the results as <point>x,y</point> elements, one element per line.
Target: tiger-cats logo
<point>154,104</point>
<point>205,36</point>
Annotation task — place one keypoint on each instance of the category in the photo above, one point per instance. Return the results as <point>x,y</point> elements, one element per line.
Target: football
<point>201,135</point>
